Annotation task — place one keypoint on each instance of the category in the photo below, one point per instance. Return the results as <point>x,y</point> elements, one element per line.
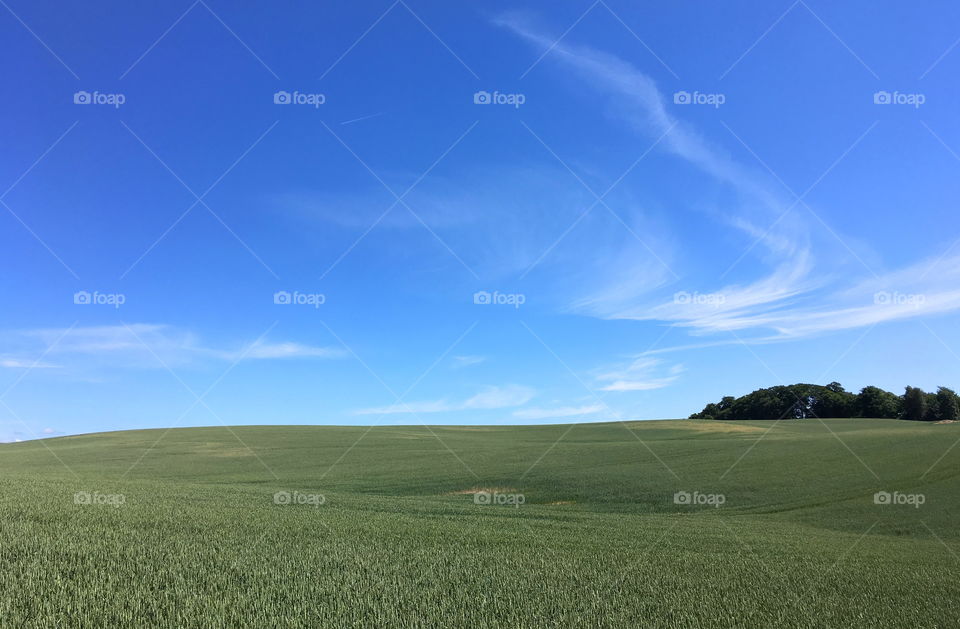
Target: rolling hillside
<point>666,524</point>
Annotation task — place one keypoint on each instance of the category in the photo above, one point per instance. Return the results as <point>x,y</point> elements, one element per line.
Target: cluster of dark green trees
<point>799,401</point>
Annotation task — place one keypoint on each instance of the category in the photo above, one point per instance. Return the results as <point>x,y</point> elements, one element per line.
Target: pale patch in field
<point>697,426</point>
<point>411,435</point>
<point>482,490</point>
<point>214,449</point>
<point>560,502</point>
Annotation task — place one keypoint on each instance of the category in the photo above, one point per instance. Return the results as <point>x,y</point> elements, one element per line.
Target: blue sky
<point>662,204</point>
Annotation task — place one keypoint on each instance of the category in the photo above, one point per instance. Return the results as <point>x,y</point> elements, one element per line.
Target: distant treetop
<point>800,401</point>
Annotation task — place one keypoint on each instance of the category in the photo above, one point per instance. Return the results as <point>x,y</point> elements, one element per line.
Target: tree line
<point>799,401</point>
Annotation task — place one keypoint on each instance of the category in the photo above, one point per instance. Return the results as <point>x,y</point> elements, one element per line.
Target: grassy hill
<point>399,539</point>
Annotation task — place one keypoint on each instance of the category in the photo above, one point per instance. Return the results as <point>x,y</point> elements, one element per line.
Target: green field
<point>399,541</point>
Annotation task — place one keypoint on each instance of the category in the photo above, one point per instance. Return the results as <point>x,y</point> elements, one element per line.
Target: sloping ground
<point>672,524</point>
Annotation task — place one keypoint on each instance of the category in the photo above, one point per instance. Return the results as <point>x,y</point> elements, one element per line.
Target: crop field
<point>657,524</point>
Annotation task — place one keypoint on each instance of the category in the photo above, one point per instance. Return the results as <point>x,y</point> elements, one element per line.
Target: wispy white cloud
<point>10,362</point>
<point>903,294</point>
<point>500,397</point>
<point>797,297</point>
<point>141,345</point>
<point>488,399</point>
<point>499,219</point>
<point>641,374</point>
<point>264,350</point>
<point>467,361</point>
<point>636,100</point>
